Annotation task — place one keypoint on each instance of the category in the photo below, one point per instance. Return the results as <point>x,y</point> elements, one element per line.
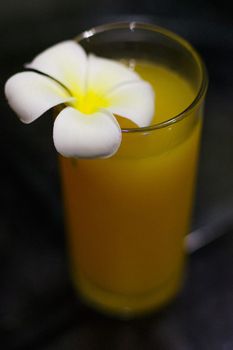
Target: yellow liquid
<point>127,215</point>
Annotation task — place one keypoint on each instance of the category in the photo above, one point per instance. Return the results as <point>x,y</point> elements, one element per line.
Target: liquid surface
<point>127,215</point>
<point>169,101</point>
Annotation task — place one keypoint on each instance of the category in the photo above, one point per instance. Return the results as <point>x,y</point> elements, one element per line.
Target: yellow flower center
<point>90,102</point>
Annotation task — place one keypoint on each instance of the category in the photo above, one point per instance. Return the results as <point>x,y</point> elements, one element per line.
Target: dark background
<point>38,308</point>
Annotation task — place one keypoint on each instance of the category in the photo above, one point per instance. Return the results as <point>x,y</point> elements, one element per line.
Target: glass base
<point>128,306</point>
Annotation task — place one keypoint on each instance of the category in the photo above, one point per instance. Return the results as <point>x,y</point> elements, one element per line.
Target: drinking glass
<point>127,216</point>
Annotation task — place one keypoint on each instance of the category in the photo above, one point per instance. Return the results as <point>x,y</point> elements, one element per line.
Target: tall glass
<point>127,215</point>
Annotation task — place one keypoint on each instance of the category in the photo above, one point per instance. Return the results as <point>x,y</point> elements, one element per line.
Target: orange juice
<point>127,215</point>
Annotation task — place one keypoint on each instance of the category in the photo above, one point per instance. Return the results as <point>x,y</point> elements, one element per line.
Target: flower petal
<point>105,74</point>
<point>135,101</point>
<point>80,135</point>
<point>66,62</point>
<point>30,95</point>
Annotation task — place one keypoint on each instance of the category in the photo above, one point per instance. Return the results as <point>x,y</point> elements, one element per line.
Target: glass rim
<point>132,25</point>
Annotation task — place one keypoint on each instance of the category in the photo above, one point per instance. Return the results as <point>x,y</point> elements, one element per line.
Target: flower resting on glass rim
<point>92,89</point>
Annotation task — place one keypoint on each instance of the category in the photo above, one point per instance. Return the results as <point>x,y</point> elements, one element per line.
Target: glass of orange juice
<point>127,215</point>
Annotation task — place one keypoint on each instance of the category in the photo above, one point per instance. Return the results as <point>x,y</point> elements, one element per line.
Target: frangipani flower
<point>93,90</point>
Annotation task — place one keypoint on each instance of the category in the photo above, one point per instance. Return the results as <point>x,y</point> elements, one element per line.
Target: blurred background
<point>38,308</point>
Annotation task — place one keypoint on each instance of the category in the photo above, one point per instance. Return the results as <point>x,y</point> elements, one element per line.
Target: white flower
<point>93,90</point>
